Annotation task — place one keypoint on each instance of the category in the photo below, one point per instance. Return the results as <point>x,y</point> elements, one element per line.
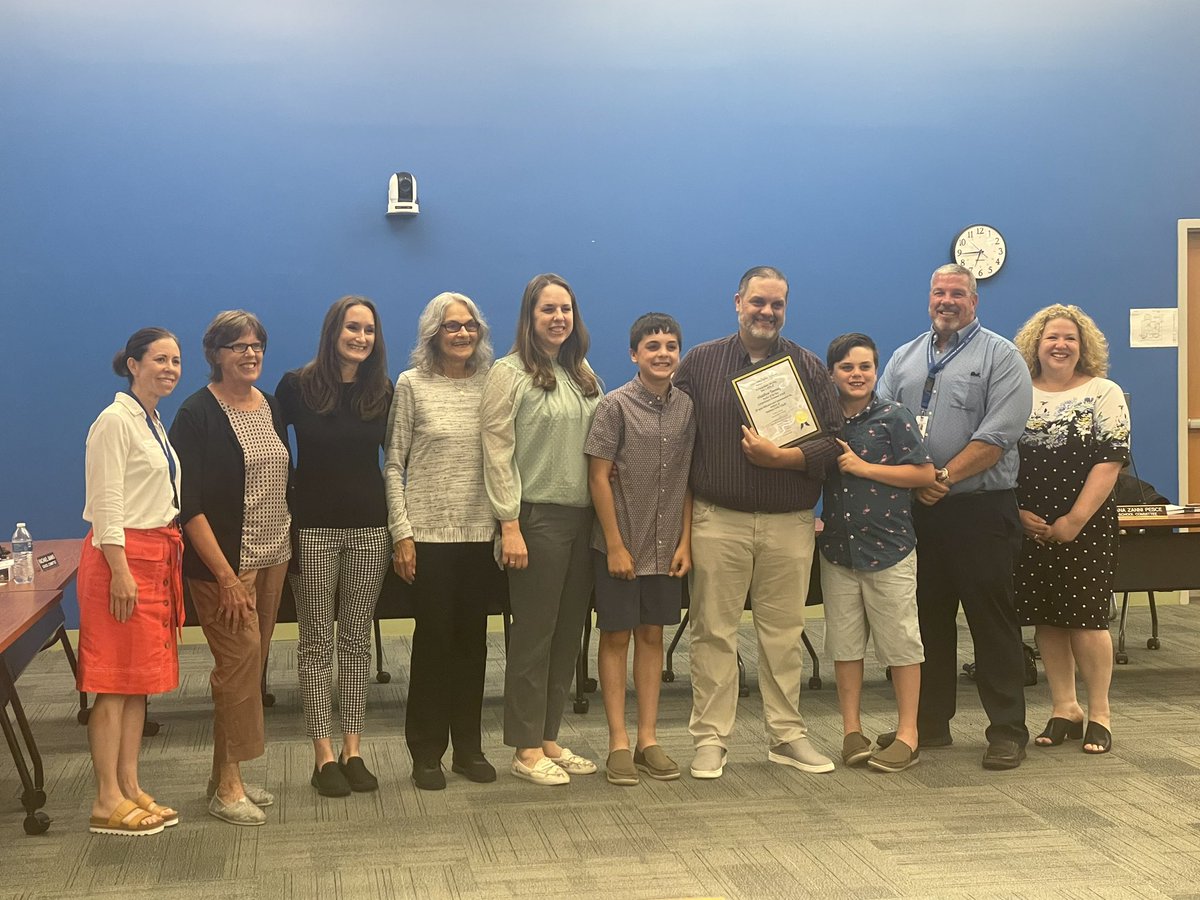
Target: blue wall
<point>159,162</point>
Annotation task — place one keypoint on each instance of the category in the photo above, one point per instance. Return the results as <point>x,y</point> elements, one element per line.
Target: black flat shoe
<point>1003,754</point>
<point>1058,730</point>
<point>1100,736</point>
<point>329,781</point>
<point>428,776</point>
<point>357,775</point>
<point>474,768</point>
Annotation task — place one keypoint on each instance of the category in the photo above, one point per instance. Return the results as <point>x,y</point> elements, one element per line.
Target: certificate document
<point>775,402</point>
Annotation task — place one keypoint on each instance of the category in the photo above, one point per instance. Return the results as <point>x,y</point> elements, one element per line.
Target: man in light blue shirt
<point>971,393</point>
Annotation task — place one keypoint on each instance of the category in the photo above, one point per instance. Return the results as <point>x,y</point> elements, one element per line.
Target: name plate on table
<point>775,402</point>
<point>1158,509</point>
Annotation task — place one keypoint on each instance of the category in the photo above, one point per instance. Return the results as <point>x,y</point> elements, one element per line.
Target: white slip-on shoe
<point>544,771</point>
<point>573,763</point>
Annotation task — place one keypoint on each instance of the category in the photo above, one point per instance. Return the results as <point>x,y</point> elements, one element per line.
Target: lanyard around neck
<point>162,446</point>
<point>935,366</point>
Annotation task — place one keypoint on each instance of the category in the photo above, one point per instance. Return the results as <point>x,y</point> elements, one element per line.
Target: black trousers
<point>967,548</point>
<point>445,693</point>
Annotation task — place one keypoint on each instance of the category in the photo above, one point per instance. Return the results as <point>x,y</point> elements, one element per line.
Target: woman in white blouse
<point>130,585</point>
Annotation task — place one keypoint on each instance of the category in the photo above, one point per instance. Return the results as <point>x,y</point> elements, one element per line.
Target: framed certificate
<point>775,402</point>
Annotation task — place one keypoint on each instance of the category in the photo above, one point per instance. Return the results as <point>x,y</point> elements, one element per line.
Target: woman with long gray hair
<point>442,528</point>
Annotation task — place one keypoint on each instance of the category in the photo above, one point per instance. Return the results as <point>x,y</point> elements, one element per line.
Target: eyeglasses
<point>456,327</point>
<point>240,348</point>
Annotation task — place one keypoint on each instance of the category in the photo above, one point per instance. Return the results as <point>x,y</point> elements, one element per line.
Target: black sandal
<point>1058,730</point>
<point>1098,735</point>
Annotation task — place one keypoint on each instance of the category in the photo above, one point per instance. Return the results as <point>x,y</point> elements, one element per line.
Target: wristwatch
<point>943,476</point>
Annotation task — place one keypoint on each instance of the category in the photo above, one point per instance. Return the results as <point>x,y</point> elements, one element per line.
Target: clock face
<point>981,249</point>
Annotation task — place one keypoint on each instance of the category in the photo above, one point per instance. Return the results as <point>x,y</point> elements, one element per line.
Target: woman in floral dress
<point>1074,445</point>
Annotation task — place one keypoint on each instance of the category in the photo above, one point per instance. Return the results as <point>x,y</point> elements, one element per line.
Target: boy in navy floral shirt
<point>868,556</point>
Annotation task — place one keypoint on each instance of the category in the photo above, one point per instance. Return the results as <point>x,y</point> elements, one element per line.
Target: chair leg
<point>82,716</point>
<point>669,672</point>
<point>1153,643</point>
<point>815,681</point>
<point>1121,656</point>
<point>381,674</point>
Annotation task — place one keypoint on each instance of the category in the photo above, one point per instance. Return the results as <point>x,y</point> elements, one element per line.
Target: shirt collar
<point>130,404</point>
<point>866,410</point>
<point>958,337</point>
<point>648,395</point>
<point>736,340</point>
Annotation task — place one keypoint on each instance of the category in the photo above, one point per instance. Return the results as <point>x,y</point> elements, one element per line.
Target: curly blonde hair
<point>1093,345</point>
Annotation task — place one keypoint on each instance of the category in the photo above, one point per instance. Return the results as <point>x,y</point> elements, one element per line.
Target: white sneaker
<point>709,762</point>
<point>544,771</point>
<point>800,754</point>
<point>573,763</point>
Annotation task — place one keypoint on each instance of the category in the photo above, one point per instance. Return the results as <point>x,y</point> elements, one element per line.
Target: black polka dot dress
<point>1070,585</point>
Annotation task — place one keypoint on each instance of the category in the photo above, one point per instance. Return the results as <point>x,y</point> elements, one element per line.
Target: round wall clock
<point>979,248</point>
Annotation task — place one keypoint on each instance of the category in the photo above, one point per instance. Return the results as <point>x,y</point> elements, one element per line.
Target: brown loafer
<point>655,763</point>
<point>855,748</point>
<point>895,757</point>
<point>620,768</point>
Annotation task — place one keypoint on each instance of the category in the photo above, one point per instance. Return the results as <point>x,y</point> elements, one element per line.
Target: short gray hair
<point>956,269</point>
<point>225,328</point>
<point>425,354</point>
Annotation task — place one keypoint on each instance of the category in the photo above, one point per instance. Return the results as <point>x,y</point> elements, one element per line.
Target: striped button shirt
<point>721,474</point>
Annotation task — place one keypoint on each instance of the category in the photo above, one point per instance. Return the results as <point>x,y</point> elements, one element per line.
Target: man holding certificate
<point>971,393</point>
<point>766,419</point>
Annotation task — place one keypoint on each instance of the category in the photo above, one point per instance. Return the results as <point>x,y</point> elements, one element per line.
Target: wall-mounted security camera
<point>402,195</point>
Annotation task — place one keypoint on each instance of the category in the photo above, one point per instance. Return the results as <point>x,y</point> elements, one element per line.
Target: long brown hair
<point>320,379</point>
<point>571,356</point>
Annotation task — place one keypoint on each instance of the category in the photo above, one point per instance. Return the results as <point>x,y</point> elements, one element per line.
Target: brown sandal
<point>127,819</point>
<point>169,816</point>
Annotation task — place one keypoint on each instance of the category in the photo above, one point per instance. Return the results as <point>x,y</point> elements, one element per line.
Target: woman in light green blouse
<point>537,408</point>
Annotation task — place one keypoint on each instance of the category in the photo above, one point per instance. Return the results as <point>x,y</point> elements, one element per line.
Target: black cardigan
<point>213,475</point>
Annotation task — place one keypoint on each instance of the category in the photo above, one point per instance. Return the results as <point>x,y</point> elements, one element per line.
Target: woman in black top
<point>338,405</point>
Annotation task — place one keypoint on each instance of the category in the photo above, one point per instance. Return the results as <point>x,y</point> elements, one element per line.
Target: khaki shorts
<point>883,603</point>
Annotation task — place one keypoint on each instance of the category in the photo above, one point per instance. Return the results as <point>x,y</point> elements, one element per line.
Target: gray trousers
<point>549,601</point>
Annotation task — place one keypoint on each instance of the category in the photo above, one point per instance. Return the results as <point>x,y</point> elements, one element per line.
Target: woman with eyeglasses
<point>232,445</point>
<point>537,408</point>
<point>338,405</point>
<point>442,529</point>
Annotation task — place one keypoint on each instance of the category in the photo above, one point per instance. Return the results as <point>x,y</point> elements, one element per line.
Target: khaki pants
<point>238,661</point>
<point>769,557</point>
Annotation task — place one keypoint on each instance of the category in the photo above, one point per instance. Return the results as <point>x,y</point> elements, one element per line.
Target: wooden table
<point>31,619</point>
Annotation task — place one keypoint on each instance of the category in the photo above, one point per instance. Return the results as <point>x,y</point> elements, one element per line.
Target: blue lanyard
<point>158,440</point>
<point>935,367</point>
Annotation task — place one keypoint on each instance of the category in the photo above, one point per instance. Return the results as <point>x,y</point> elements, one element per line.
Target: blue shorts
<point>647,600</point>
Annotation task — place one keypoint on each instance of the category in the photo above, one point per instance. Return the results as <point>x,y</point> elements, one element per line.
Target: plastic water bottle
<point>22,550</point>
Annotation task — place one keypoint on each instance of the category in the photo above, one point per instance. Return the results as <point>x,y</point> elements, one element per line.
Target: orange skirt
<point>140,655</point>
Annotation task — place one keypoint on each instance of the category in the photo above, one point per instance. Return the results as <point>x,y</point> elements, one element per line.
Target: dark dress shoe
<point>358,776</point>
<point>428,776</point>
<point>1003,754</point>
<point>888,738</point>
<point>329,781</point>
<point>474,768</point>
